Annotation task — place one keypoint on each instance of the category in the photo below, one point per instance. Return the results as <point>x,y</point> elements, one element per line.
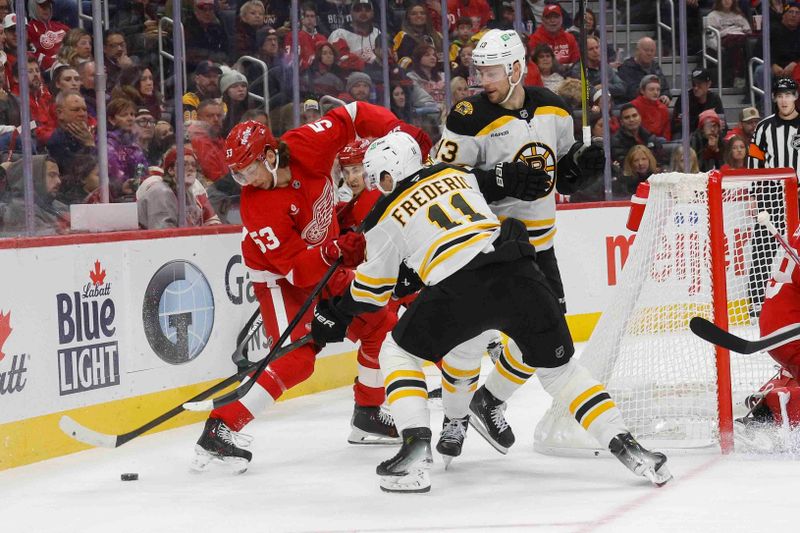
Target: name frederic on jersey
<point>423,194</point>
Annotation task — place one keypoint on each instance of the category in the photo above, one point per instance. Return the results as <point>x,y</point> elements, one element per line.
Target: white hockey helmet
<point>500,47</point>
<point>396,155</point>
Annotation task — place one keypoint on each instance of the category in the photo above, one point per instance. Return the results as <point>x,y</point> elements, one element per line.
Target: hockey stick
<point>764,220</point>
<point>708,331</point>
<point>239,356</point>
<point>242,390</point>
<point>91,437</point>
<point>587,132</point>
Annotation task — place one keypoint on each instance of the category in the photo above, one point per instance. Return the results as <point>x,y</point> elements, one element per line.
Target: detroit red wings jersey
<point>283,227</point>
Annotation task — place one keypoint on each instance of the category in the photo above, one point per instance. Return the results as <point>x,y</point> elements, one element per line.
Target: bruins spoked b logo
<point>541,157</point>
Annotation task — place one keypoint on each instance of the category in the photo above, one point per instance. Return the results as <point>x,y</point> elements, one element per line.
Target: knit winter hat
<point>708,115</point>
<point>357,77</point>
<point>230,77</point>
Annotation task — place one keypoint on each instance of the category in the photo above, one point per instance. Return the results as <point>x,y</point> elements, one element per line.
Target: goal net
<point>699,251</point>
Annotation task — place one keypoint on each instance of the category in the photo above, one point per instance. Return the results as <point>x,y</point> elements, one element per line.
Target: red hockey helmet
<point>353,153</point>
<point>246,143</point>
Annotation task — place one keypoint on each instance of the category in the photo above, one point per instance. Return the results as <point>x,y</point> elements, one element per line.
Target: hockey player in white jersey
<point>478,274</point>
<point>509,122</point>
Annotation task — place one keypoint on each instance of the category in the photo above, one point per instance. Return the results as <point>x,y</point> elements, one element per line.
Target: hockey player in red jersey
<point>290,239</point>
<point>354,211</point>
<point>781,310</point>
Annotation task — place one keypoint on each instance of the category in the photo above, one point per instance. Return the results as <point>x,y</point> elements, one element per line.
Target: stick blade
<point>710,332</point>
<point>85,435</point>
<point>202,405</point>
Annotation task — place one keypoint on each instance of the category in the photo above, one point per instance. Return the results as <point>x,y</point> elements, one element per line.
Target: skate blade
<point>202,461</point>
<point>658,477</point>
<point>474,421</point>
<point>417,481</point>
<point>447,459</point>
<point>360,437</point>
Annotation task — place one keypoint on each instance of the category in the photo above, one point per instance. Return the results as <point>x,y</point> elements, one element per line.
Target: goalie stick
<point>764,219</point>
<point>585,129</point>
<point>244,388</point>
<point>91,437</point>
<point>708,331</point>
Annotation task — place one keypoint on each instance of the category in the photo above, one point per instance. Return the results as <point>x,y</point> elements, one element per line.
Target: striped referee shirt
<point>775,144</point>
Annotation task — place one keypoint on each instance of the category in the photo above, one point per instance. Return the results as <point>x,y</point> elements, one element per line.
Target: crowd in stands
<point>338,54</point>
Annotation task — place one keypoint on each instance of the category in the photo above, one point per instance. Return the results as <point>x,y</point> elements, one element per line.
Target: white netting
<point>662,377</point>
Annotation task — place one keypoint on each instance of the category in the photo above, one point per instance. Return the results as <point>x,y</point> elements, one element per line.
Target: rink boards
<point>114,329</point>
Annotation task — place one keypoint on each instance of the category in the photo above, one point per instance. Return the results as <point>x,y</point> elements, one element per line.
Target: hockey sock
<point>587,400</point>
<point>460,371</point>
<point>371,330</point>
<point>406,390</point>
<point>509,372</point>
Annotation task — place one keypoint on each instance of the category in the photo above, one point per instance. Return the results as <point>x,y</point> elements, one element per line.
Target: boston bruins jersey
<point>437,221</point>
<point>481,134</point>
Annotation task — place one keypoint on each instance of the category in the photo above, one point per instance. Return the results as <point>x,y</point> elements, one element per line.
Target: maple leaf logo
<point>98,275</point>
<point>5,331</point>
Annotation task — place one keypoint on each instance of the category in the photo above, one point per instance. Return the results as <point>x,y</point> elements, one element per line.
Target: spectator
<point>632,133</point>
<point>643,62</point>
<point>308,35</point>
<point>548,67</point>
<point>206,39</point>
<point>401,101</point>
<point>615,84</point>
<point>359,86</point>
<point>50,215</point>
<point>44,34</point>
<point>138,22</point>
<point>735,153</point>
<point>6,7</point>
<point>552,33</point>
<point>6,72</point>
<point>785,42</point>
<point>333,15</point>
<point>417,98</point>
<point>127,163</point>
<point>311,112</point>
<point>655,115</point>
<point>613,122</point>
<point>570,90</point>
<point>465,68</point>
<point>163,139</point>
<point>639,164</point>
<point>357,44</point>
<point>506,19</point>
<point>458,89</point>
<point>157,197</point>
<point>233,86</point>
<point>417,30</point>
<point>477,10</point>
<point>137,84</point>
<point>76,48</point>
<point>706,141</point>
<point>74,136</point>
<point>9,122</point>
<point>463,34</point>
<point>10,35</point>
<point>206,86</point>
<point>734,28</point>
<point>700,99</point>
<point>65,78</point>
<point>533,77</point>
<point>39,100</point>
<point>116,56</point>
<point>205,134</point>
<point>325,75</point>
<point>144,131</point>
<point>259,115</point>
<point>81,181</point>
<point>676,161</point>
<point>426,74</point>
<point>251,20</point>
<point>749,118</point>
<point>86,72</point>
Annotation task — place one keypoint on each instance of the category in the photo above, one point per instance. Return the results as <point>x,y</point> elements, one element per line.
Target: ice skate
<point>409,470</point>
<point>219,443</point>
<point>488,419</point>
<point>372,425</point>
<point>454,431</point>
<point>640,461</point>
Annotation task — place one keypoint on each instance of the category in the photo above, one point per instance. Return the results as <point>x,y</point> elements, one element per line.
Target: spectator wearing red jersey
<point>477,10</point>
<point>307,35</point>
<point>39,99</point>
<point>552,33</point>
<point>655,115</point>
<point>44,35</point>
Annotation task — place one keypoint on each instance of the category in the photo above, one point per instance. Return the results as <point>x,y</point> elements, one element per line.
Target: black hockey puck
<point>130,476</point>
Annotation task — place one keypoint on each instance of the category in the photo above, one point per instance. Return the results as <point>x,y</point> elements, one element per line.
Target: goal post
<point>699,251</point>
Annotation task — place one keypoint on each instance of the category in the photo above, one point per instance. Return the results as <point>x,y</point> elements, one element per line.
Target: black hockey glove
<point>591,160</point>
<point>408,281</point>
<point>330,324</point>
<point>521,181</point>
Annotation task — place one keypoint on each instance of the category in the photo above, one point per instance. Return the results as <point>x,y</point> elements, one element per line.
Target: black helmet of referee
<point>784,85</point>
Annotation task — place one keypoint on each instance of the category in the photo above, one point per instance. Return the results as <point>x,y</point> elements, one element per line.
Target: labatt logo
<point>12,377</point>
<point>89,357</point>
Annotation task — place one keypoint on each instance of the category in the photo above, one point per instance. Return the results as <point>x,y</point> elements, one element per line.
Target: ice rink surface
<point>305,477</point>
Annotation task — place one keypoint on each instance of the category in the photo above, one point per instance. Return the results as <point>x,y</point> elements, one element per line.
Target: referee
<point>775,144</point>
